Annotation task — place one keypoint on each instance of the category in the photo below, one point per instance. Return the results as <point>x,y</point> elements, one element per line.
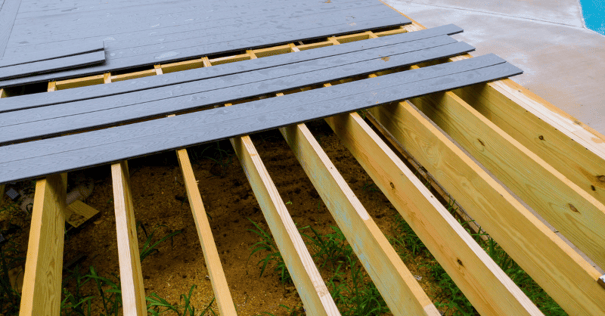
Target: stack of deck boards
<point>48,116</point>
<point>143,32</point>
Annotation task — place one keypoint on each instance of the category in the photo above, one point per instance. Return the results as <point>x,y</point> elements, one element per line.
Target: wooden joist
<point>395,282</point>
<point>488,288</point>
<point>42,279</point>
<point>563,142</point>
<point>571,210</point>
<point>131,275</point>
<point>44,264</point>
<point>309,283</point>
<point>211,256</point>
<point>557,268</point>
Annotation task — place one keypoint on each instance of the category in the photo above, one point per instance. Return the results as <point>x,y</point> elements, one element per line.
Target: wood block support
<point>44,264</point>
<point>131,275</point>
<point>211,256</point>
<point>397,285</point>
<point>561,272</point>
<point>488,288</point>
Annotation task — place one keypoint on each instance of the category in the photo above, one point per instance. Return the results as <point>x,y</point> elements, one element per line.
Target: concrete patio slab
<point>563,61</point>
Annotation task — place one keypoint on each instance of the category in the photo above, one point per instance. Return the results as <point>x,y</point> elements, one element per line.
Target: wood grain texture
<point>83,93</point>
<point>572,150</point>
<point>309,283</point>
<point>397,285</point>
<point>25,58</point>
<point>56,119</point>
<point>8,14</point>
<point>557,268</point>
<point>44,264</point>
<point>482,281</point>
<point>131,275</point>
<point>572,211</point>
<point>52,65</point>
<point>204,231</point>
<point>115,144</point>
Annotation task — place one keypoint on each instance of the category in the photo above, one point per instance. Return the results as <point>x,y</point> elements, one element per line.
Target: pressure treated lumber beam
<point>565,143</point>
<point>211,256</point>
<point>396,284</point>
<point>131,275</point>
<point>487,287</point>
<point>309,284</point>
<point>571,210</point>
<point>557,268</point>
<point>44,262</point>
<point>574,149</point>
<point>41,294</point>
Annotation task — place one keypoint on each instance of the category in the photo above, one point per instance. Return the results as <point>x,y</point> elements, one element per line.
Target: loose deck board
<point>83,93</point>
<point>59,52</point>
<point>101,112</point>
<point>52,65</point>
<point>38,158</point>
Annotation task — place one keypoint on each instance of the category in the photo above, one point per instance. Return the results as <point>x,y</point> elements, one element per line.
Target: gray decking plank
<point>223,91</point>
<point>39,158</point>
<point>160,25</point>
<point>84,93</point>
<point>58,52</point>
<point>8,14</point>
<point>229,46</point>
<point>51,65</point>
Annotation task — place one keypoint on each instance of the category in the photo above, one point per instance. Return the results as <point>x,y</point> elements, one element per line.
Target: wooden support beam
<point>41,294</point>
<point>559,139</point>
<point>486,286</point>
<point>44,264</point>
<point>211,256</point>
<point>311,287</point>
<point>396,284</point>
<point>557,268</point>
<point>576,214</point>
<point>131,275</point>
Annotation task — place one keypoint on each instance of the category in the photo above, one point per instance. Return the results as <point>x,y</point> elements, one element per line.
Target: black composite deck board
<point>58,52</point>
<point>84,93</point>
<point>325,68</point>
<point>8,14</point>
<point>233,42</point>
<point>62,154</point>
<point>224,91</point>
<point>52,65</point>
<point>201,20</point>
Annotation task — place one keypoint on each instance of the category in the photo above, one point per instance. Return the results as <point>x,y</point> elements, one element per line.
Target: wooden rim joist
<point>554,163</point>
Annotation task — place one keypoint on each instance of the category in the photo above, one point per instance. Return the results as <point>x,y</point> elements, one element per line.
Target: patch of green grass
<point>348,283</point>
<point>157,305</point>
<point>267,244</point>
<point>149,248</point>
<point>10,257</point>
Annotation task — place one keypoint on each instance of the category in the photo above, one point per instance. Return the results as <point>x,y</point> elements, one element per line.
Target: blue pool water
<point>594,14</point>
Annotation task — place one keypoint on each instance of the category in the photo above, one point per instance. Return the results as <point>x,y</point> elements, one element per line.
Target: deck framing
<point>512,118</point>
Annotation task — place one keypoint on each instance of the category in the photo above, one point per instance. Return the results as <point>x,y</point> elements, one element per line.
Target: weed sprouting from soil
<point>350,287</point>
